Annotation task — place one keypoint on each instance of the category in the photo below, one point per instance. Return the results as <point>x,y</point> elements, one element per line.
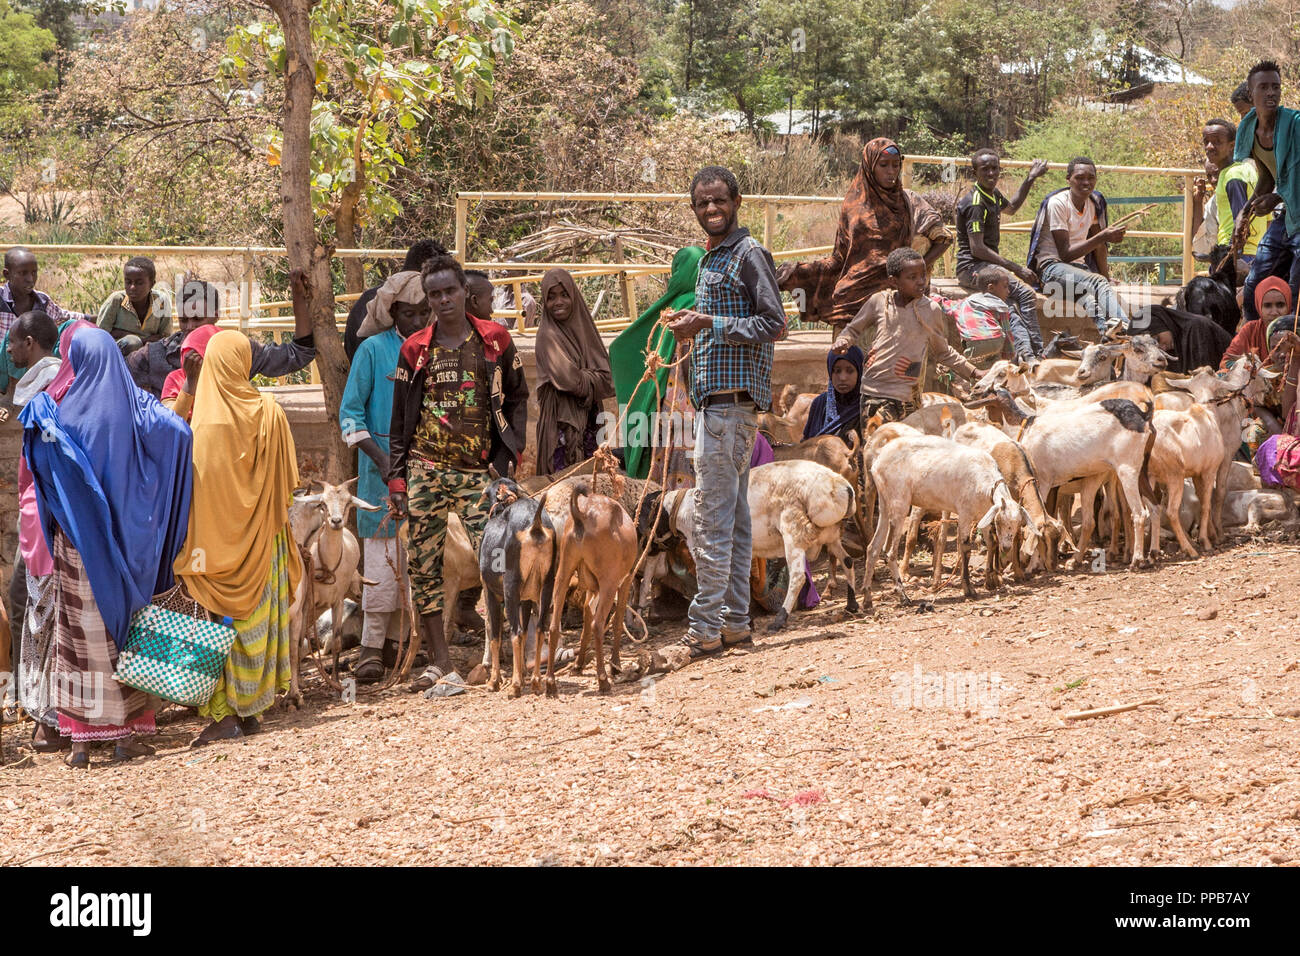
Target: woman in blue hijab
<point>112,473</point>
<point>837,410</point>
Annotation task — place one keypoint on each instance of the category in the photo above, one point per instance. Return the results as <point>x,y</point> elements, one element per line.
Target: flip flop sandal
<point>426,681</point>
<point>250,726</point>
<point>46,747</point>
<point>447,686</point>
<point>369,671</point>
<point>204,738</point>
<point>79,761</point>
<point>122,754</point>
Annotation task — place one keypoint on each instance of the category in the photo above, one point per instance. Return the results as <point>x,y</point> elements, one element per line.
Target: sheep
<point>1245,508</point>
<point>936,475</point>
<point>1188,445</point>
<point>796,508</point>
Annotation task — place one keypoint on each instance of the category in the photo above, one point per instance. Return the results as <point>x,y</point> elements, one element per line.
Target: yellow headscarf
<point>245,470</point>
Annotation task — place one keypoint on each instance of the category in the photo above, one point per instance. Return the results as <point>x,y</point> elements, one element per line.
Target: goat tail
<point>574,512</point>
<point>535,529</point>
<point>1149,412</point>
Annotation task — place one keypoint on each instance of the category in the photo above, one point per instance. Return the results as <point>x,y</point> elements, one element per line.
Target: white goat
<point>335,561</point>
<point>938,475</point>
<point>795,508</point>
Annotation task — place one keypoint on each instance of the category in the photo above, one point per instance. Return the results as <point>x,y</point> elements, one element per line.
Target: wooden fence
<point>252,315</point>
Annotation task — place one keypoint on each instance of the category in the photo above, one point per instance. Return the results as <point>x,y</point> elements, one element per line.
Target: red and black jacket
<point>509,397</point>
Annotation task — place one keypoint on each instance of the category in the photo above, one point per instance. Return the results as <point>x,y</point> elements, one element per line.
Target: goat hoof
<point>851,605</point>
<point>603,686</point>
<point>778,622</point>
<point>293,700</point>
<point>553,690</point>
<point>494,685</point>
<point>516,690</point>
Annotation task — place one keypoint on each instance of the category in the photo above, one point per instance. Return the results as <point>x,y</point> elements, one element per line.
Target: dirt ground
<point>898,738</point>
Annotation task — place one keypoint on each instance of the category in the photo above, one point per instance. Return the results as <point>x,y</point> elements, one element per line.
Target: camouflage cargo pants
<point>431,493</point>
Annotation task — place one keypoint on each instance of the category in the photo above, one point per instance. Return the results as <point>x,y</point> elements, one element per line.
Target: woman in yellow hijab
<point>239,559</point>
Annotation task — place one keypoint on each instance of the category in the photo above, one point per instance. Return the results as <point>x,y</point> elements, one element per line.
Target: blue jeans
<point>1089,290</point>
<point>1026,336</point>
<point>1278,255</point>
<point>724,442</point>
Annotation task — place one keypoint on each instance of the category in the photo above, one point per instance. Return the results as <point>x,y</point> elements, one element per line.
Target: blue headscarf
<point>832,412</point>
<point>111,466</point>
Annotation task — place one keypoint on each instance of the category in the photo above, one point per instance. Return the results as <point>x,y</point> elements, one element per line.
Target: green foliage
<point>380,66</point>
<point>24,52</point>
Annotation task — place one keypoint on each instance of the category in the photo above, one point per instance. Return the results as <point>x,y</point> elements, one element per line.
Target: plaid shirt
<point>737,287</point>
<point>8,315</point>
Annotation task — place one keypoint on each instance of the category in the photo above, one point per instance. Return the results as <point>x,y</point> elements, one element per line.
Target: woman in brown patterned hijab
<point>573,376</point>
<point>875,219</point>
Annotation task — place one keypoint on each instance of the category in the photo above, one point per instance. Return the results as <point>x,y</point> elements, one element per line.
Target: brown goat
<point>599,543</point>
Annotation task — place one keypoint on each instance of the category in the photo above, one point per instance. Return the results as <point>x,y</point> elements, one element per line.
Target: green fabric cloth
<point>627,357</point>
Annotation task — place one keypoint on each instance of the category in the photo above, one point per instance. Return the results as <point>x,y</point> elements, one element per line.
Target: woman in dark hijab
<point>573,376</point>
<point>1194,340</point>
<point>837,410</point>
<point>875,219</point>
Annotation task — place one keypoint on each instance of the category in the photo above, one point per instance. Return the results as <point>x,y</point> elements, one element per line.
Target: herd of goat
<point>1107,426</point>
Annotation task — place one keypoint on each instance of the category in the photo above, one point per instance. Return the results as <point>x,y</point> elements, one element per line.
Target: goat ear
<point>987,519</point>
<point>492,471</point>
<point>1027,520</point>
<point>363,504</point>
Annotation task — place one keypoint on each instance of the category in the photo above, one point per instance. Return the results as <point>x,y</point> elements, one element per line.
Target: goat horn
<point>307,500</point>
<point>364,505</point>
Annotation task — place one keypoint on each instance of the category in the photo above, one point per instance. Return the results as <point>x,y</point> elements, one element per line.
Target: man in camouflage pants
<point>460,403</point>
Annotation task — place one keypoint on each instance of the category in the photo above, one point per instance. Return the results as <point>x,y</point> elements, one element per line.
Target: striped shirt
<point>737,287</point>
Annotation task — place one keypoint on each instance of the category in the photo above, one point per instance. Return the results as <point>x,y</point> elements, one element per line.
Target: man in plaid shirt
<point>18,294</point>
<point>737,316</point>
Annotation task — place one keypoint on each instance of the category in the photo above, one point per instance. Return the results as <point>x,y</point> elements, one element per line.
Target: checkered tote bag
<point>174,651</point>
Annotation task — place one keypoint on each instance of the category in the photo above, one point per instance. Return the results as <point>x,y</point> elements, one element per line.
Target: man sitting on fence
<point>979,215</point>
<point>1270,135</point>
<point>1068,247</point>
<point>140,312</point>
<point>1231,193</point>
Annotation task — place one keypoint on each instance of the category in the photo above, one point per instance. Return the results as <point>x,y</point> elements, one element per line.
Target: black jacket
<point>509,397</point>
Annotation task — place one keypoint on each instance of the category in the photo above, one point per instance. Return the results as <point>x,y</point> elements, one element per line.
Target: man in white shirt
<point>1068,247</point>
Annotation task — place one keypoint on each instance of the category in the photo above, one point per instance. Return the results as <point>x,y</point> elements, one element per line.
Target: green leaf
<point>407,121</point>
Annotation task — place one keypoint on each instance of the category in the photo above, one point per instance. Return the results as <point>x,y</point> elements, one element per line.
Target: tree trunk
<point>300,237</point>
<point>345,227</point>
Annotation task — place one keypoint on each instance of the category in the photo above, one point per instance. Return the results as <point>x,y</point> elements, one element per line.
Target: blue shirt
<point>366,412</point>
<point>1286,155</point>
<point>737,286</point>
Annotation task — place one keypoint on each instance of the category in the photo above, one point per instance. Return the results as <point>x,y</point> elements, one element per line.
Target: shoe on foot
<point>446,686</point>
<point>699,646</point>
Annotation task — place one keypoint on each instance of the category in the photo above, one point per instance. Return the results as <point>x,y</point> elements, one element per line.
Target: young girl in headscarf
<point>875,219</point>
<point>573,376</point>
<point>1272,301</point>
<point>180,384</point>
<point>239,558</point>
<point>837,410</point>
<point>111,468</point>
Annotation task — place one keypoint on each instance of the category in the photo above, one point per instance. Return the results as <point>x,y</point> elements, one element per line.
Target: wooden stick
<point>1107,711</point>
<point>1123,221</point>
